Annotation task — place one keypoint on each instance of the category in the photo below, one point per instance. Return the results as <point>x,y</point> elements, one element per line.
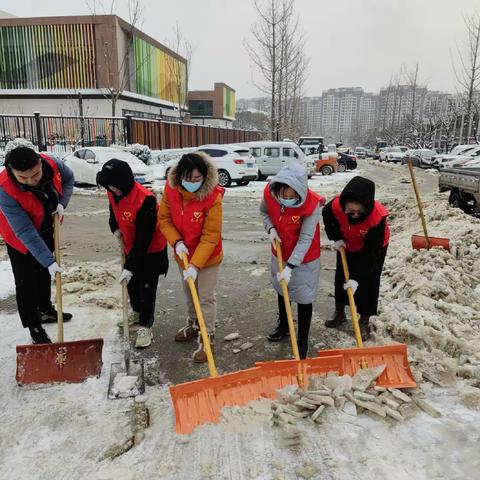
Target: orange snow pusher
<point>201,401</point>
<point>419,241</point>
<point>71,362</point>
<point>397,373</point>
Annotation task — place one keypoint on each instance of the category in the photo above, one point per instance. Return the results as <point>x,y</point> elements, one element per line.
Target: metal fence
<point>66,133</point>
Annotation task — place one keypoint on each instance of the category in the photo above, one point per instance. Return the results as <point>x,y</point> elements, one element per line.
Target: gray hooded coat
<point>303,285</point>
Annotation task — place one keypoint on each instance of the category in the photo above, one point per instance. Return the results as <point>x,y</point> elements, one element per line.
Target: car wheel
<point>224,179</point>
<point>261,176</point>
<point>243,183</point>
<point>341,167</point>
<point>326,170</point>
<point>455,200</point>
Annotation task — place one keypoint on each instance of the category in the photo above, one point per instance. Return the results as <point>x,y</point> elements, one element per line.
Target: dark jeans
<point>304,311</point>
<point>32,285</point>
<point>142,290</point>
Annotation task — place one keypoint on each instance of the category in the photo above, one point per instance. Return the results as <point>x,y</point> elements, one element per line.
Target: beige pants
<point>206,284</point>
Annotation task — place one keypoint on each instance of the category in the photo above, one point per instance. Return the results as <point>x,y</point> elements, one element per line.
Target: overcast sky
<point>349,42</point>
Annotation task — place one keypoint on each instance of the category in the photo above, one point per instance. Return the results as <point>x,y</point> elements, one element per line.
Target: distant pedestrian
<point>190,217</point>
<point>291,215</point>
<point>356,221</point>
<point>33,187</point>
<point>133,220</point>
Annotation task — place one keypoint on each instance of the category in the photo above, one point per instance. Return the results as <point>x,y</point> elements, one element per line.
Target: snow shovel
<point>418,241</point>
<point>71,362</point>
<point>127,379</point>
<point>397,373</point>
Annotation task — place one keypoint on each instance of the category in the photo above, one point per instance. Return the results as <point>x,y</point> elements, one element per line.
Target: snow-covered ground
<point>428,299</point>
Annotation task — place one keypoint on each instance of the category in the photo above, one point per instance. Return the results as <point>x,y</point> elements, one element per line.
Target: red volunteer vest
<point>288,223</point>
<point>28,201</point>
<point>125,213</point>
<point>189,219</point>
<point>354,235</point>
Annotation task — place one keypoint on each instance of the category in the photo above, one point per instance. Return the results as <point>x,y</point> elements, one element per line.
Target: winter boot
<point>281,330</point>
<point>39,335</point>
<point>50,315</point>
<point>133,319</point>
<point>364,324</point>
<point>144,337</point>
<point>186,333</point>
<point>338,318</point>
<point>199,355</point>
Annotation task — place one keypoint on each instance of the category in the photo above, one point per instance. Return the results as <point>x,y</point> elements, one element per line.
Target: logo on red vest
<point>197,217</point>
<point>127,216</point>
<point>363,233</point>
<point>295,219</point>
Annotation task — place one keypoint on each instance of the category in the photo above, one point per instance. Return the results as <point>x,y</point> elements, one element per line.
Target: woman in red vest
<point>291,214</point>
<point>190,217</point>
<point>356,221</point>
<point>133,220</point>
<point>33,187</point>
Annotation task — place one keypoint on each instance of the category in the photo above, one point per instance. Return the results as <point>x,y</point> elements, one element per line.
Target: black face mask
<point>353,220</point>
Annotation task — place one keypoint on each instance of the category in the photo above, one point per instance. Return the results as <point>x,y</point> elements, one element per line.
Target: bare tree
<point>467,70</point>
<point>179,79</point>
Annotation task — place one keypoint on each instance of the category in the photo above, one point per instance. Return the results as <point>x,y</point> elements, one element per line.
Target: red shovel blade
<point>419,242</point>
<point>71,362</point>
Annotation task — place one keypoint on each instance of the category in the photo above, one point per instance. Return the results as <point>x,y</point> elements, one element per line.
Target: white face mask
<point>288,202</point>
<point>191,187</point>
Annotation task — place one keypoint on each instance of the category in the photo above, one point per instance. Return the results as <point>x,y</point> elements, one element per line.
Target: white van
<point>270,157</point>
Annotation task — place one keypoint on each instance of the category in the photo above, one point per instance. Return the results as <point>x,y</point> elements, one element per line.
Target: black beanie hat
<point>118,174</point>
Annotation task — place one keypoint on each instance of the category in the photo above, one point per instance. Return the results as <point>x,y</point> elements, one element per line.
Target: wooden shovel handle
<point>419,202</point>
<point>58,276</point>
<point>351,299</point>
<point>288,307</point>
<point>201,321</point>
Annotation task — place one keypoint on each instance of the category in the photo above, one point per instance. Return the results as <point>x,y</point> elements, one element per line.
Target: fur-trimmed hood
<point>210,182</point>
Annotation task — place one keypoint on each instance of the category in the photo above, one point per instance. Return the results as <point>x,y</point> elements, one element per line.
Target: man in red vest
<point>133,220</point>
<point>33,187</point>
<point>356,221</point>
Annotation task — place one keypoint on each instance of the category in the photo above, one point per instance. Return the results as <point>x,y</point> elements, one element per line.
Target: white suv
<point>234,163</point>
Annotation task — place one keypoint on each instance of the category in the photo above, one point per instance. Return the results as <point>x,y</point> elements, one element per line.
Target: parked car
<point>370,153</point>
<point>421,157</point>
<point>439,159</point>
<point>456,161</point>
<point>234,163</point>
<point>464,186</point>
<point>346,162</point>
<point>271,156</point>
<point>87,162</point>
<point>361,152</point>
<point>327,163</point>
<point>395,154</point>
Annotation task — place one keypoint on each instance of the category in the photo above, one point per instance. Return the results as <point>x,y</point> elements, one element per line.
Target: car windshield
<point>397,149</point>
<point>243,153</point>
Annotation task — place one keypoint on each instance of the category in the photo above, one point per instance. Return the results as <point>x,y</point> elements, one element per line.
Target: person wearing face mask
<point>33,187</point>
<point>291,214</point>
<point>133,221</point>
<point>190,217</point>
<point>356,221</point>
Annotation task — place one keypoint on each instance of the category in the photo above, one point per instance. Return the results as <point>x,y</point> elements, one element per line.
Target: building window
<point>201,108</point>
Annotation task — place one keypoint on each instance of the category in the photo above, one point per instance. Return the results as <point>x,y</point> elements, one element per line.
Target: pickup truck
<point>464,187</point>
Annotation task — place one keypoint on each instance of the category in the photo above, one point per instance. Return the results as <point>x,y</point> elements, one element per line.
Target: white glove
<point>118,235</point>
<point>181,248</point>
<point>60,209</point>
<point>286,275</point>
<point>126,276</point>
<point>353,284</point>
<point>338,244</point>
<point>273,234</point>
<point>190,272</point>
<point>54,268</point>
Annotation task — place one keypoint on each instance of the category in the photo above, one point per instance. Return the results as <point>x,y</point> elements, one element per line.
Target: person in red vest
<point>133,220</point>
<point>190,217</point>
<point>291,215</point>
<point>33,187</point>
<point>356,221</point>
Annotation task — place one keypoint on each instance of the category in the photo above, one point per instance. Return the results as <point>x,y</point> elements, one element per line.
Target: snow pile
<point>428,297</point>
<point>7,284</point>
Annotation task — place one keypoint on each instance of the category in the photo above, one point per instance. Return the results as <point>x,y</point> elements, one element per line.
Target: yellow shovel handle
<point>201,321</point>
<point>419,203</point>
<point>351,300</point>
<point>288,307</point>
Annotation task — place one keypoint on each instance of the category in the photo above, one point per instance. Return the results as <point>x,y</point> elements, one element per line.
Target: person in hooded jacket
<point>133,220</point>
<point>33,187</point>
<point>190,217</point>
<point>356,221</point>
<point>291,215</point>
